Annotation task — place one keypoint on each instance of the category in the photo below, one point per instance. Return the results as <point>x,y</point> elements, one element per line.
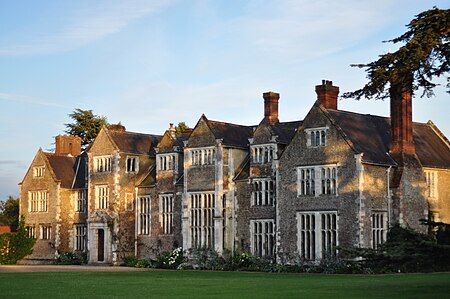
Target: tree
<point>15,246</point>
<point>181,127</point>
<point>424,57</point>
<point>9,211</point>
<point>86,125</point>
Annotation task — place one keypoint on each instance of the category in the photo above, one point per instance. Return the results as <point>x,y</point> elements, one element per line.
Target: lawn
<point>202,284</point>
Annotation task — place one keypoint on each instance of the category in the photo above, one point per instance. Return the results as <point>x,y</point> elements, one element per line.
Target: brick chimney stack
<point>401,120</point>
<point>68,145</point>
<point>172,130</point>
<point>271,107</point>
<point>327,94</point>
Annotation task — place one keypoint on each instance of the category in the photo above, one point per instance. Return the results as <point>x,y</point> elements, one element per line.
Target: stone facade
<point>279,190</point>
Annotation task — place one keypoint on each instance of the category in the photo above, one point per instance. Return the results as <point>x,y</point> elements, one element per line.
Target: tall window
<point>46,232</point>
<point>132,164</point>
<point>144,209</point>
<point>379,228</point>
<point>317,180</point>
<point>81,201</point>
<point>328,177</point>
<point>317,236</point>
<point>166,162</point>
<point>80,237</point>
<point>38,171</point>
<point>431,177</point>
<point>38,201</point>
<point>205,156</point>
<point>263,192</point>
<point>202,220</point>
<point>166,213</point>
<point>316,137</point>
<point>31,231</point>
<point>307,181</point>
<point>102,164</point>
<point>263,153</point>
<point>101,197</point>
<point>262,237</point>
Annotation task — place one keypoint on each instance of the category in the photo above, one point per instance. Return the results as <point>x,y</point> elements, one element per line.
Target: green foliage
<point>86,125</point>
<point>15,246</point>
<point>9,211</point>
<point>180,128</point>
<point>72,258</point>
<point>405,250</point>
<point>424,56</point>
<point>170,260</point>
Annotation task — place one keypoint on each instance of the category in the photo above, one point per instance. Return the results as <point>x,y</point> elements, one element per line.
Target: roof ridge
<point>227,123</point>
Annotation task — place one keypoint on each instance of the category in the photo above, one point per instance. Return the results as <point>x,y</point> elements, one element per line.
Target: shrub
<point>71,258</point>
<point>170,260</point>
<point>130,261</point>
<point>15,246</point>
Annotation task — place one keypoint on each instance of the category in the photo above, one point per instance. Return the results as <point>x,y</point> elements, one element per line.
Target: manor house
<point>281,190</point>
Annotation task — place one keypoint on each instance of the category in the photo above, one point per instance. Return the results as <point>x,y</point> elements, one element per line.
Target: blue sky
<point>149,63</point>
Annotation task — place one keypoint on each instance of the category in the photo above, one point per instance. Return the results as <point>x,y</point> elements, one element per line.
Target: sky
<point>153,62</point>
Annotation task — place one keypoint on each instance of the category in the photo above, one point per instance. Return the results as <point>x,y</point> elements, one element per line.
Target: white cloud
<point>86,26</point>
<point>28,100</point>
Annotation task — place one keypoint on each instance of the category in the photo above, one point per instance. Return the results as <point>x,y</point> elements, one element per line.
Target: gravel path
<point>66,268</point>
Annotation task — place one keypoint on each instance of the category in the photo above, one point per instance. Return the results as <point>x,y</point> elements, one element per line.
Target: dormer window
<point>264,153</point>
<point>132,164</point>
<point>102,164</point>
<point>316,137</point>
<point>38,171</point>
<point>166,162</point>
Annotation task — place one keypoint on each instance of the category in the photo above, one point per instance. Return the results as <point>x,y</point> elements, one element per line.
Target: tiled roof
<point>371,135</point>
<point>182,137</point>
<point>80,169</point>
<point>231,134</point>
<point>285,130</point>
<point>135,143</point>
<point>243,172</point>
<point>64,168</point>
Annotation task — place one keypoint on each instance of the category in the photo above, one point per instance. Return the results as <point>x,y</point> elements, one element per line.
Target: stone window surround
<point>103,163</point>
<point>143,211</point>
<point>201,156</point>
<point>320,136</point>
<point>379,220</point>
<point>165,162</point>
<point>38,201</point>
<point>262,237</point>
<point>318,180</point>
<point>313,237</point>
<point>81,201</point>
<point>201,207</point>
<point>166,207</point>
<point>263,192</point>
<point>80,236</point>
<point>101,197</point>
<point>132,164</point>
<point>431,177</point>
<point>45,231</point>
<point>263,153</point>
<point>38,171</point>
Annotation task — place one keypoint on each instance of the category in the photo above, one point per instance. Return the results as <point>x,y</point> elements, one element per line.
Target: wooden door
<point>101,245</point>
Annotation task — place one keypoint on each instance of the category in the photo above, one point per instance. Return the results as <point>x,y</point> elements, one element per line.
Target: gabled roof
<point>135,143</point>
<point>231,134</point>
<point>148,179</point>
<point>371,135</point>
<point>63,166</point>
<point>285,130</point>
<point>243,171</point>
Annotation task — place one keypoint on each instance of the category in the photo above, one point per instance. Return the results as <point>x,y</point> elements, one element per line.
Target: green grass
<point>202,284</point>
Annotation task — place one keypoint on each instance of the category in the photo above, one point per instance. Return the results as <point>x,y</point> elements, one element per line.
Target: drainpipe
<point>388,178</point>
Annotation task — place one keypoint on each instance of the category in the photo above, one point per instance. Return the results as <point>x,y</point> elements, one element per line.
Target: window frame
<point>144,218</point>
<point>315,184</point>
<point>263,153</point>
<point>39,171</point>
<point>166,208</point>
<point>262,237</point>
<point>103,164</point>
<point>101,198</point>
<point>317,137</point>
